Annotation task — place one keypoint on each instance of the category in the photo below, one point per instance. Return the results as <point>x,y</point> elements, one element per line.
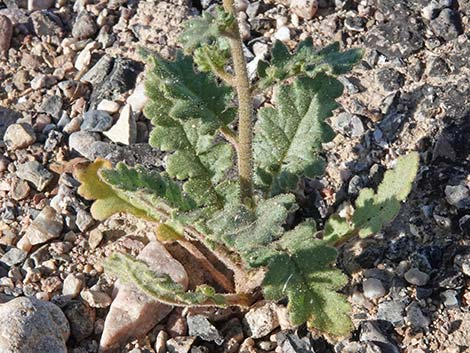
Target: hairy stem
<point>245,111</point>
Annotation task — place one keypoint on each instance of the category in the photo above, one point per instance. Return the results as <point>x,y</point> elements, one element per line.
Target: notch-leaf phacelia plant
<point>230,179</point>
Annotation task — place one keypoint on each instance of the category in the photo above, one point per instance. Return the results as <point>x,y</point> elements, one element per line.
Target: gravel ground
<point>71,90</point>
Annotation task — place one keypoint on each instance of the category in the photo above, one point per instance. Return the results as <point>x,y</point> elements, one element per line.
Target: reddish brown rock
<point>133,313</point>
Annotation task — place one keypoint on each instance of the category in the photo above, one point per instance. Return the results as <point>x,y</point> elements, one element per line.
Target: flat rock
<point>35,173</point>
<point>81,142</point>
<point>134,313</point>
<point>125,129</point>
<point>33,326</point>
<point>46,226</point>
<point>96,121</point>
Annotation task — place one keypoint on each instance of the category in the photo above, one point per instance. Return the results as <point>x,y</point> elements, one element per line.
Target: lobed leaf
<point>305,61</point>
<point>137,191</point>
<point>186,109</point>
<point>249,232</point>
<point>303,271</point>
<point>160,285</point>
<point>206,29</point>
<point>374,209</point>
<point>288,138</point>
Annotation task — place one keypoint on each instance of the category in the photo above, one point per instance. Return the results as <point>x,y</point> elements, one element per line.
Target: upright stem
<point>245,111</point>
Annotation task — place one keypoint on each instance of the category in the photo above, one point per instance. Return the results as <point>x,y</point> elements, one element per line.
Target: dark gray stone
<point>121,79</point>
<point>81,317</point>
<point>14,256</point>
<point>447,25</point>
<point>200,326</point>
<point>52,106</point>
<point>416,318</point>
<point>370,332</point>
<point>7,117</point>
<point>96,121</point>
<point>391,311</point>
<point>390,79</point>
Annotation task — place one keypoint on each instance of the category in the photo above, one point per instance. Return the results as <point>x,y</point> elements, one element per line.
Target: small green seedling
<point>230,179</point>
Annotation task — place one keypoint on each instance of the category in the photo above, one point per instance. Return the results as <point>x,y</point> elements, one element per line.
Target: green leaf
<point>305,61</point>
<point>178,91</point>
<point>210,57</point>
<point>160,285</point>
<point>137,191</point>
<point>186,109</point>
<point>248,231</point>
<point>206,29</point>
<point>303,271</point>
<point>373,210</point>
<point>288,138</point>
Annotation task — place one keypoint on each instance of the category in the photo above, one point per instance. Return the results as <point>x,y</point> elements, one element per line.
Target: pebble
<point>282,34</point>
<point>33,326</point>
<point>85,26</point>
<point>180,344</point>
<point>125,129</point>
<point>81,318</point>
<point>82,141</point>
<point>262,320</point>
<point>14,256</point>
<point>304,8</point>
<point>46,226</point>
<point>43,81</point>
<point>416,277</point>
<point>449,298</point>
<point>6,32</point>
<point>458,196</point>
<point>134,313</point>
<point>40,4</point>
<point>96,299</point>
<point>35,173</point>
<point>84,220</point>
<point>370,332</point>
<point>373,288</point>
<point>96,121</point>
<point>416,318</point>
<point>447,25</point>
<point>391,311</point>
<point>138,99</point>
<point>109,106</point>
<point>19,136</point>
<point>46,24</point>
<point>53,106</point>
<point>95,238</point>
<point>349,124</point>
<point>200,326</point>
<point>19,189</point>
<point>160,342</point>
<point>72,285</point>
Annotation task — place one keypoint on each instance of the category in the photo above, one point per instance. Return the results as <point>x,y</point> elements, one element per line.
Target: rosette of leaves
<point>194,114</point>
